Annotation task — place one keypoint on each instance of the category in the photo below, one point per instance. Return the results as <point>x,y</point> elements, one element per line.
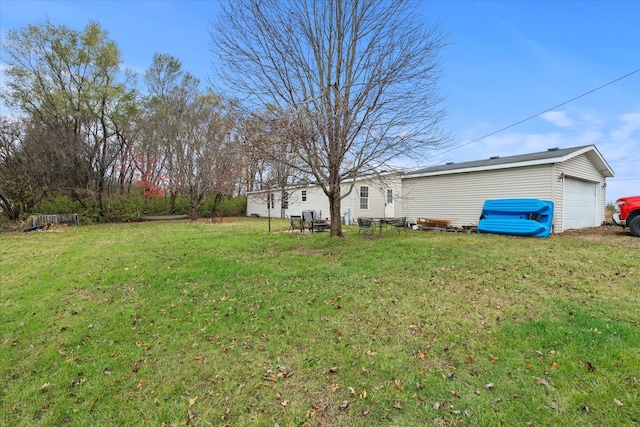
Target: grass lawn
<point>165,324</point>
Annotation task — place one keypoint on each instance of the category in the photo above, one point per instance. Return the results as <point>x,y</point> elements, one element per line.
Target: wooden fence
<point>68,219</point>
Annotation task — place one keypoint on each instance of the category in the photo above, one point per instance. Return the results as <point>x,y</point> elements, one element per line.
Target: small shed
<point>573,178</point>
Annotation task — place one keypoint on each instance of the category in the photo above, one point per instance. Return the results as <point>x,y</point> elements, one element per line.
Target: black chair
<point>296,223</point>
<point>307,219</point>
<point>400,223</point>
<point>365,225</point>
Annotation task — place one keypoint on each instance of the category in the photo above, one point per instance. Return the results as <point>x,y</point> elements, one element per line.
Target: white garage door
<point>580,204</point>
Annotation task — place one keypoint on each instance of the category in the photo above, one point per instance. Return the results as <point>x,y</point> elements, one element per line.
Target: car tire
<point>634,226</point>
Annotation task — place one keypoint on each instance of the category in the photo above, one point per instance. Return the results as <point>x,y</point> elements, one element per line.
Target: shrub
<point>227,206</point>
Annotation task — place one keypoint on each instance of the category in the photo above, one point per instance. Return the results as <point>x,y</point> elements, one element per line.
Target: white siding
<point>460,197</point>
<point>377,198</point>
<point>318,201</point>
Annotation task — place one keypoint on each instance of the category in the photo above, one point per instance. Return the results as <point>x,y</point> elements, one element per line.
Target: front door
<point>389,210</point>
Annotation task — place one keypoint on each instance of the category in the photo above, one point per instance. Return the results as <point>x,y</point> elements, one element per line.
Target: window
<point>389,196</point>
<point>272,201</point>
<point>364,197</point>
<point>285,200</point>
<point>304,195</point>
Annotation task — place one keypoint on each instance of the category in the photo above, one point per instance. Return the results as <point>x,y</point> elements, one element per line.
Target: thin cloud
<point>558,118</point>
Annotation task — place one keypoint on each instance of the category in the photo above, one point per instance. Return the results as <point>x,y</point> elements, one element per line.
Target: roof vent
<point>449,163</point>
<point>553,149</point>
<point>494,157</point>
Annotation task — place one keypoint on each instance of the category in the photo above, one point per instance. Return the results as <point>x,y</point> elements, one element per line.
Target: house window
<point>285,200</point>
<point>389,196</point>
<point>271,203</point>
<point>364,197</point>
<point>304,195</point>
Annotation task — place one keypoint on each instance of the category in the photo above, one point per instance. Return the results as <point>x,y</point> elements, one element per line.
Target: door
<point>580,204</point>
<point>389,209</point>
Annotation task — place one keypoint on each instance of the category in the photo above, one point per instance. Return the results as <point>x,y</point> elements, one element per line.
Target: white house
<point>573,178</point>
<point>371,197</point>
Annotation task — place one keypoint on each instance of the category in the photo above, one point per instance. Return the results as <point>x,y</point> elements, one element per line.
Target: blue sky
<point>508,60</point>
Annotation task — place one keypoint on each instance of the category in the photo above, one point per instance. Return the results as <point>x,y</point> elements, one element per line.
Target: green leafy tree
<point>69,82</point>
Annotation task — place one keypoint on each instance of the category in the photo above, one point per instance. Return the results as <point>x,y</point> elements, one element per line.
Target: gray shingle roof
<point>548,156</point>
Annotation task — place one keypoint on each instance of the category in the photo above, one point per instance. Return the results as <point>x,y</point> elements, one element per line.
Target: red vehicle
<point>627,214</point>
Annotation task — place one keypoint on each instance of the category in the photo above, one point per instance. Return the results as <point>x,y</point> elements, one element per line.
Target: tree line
<point>328,91</point>
<point>83,130</point>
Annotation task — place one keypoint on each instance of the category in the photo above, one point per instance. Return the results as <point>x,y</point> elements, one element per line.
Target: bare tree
<point>185,136</point>
<point>356,80</point>
<point>267,141</point>
<point>19,191</point>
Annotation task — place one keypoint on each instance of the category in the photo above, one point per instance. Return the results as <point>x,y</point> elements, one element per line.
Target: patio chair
<point>307,219</point>
<point>296,223</point>
<point>365,225</point>
<point>400,223</point>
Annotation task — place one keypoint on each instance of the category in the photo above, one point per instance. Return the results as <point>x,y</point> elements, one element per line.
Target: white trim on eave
<point>591,151</point>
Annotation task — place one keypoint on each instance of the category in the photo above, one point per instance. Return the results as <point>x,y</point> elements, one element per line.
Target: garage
<point>574,179</point>
<point>580,203</point>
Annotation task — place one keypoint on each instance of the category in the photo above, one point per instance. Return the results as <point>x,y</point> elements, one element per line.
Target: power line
<point>538,114</point>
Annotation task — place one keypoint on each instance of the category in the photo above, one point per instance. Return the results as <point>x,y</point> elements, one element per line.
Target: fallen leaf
<point>344,405</point>
<point>363,394</point>
<point>192,401</point>
<point>352,390</point>
<point>617,402</point>
<point>553,405</point>
<point>45,387</point>
<point>335,387</point>
<point>470,359</point>
<point>554,365</point>
<point>284,402</point>
<point>398,405</point>
<point>585,409</point>
<point>93,404</point>
<point>436,406</point>
<point>489,386</point>
<point>542,381</point>
<point>455,394</point>
<point>492,358</point>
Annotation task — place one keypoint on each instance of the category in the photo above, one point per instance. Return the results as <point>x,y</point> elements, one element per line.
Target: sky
<point>506,61</point>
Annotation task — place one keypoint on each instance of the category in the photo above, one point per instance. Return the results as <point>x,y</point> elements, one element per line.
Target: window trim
<point>364,197</point>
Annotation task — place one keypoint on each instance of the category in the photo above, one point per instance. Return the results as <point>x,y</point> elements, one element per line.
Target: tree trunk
<point>334,208</point>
